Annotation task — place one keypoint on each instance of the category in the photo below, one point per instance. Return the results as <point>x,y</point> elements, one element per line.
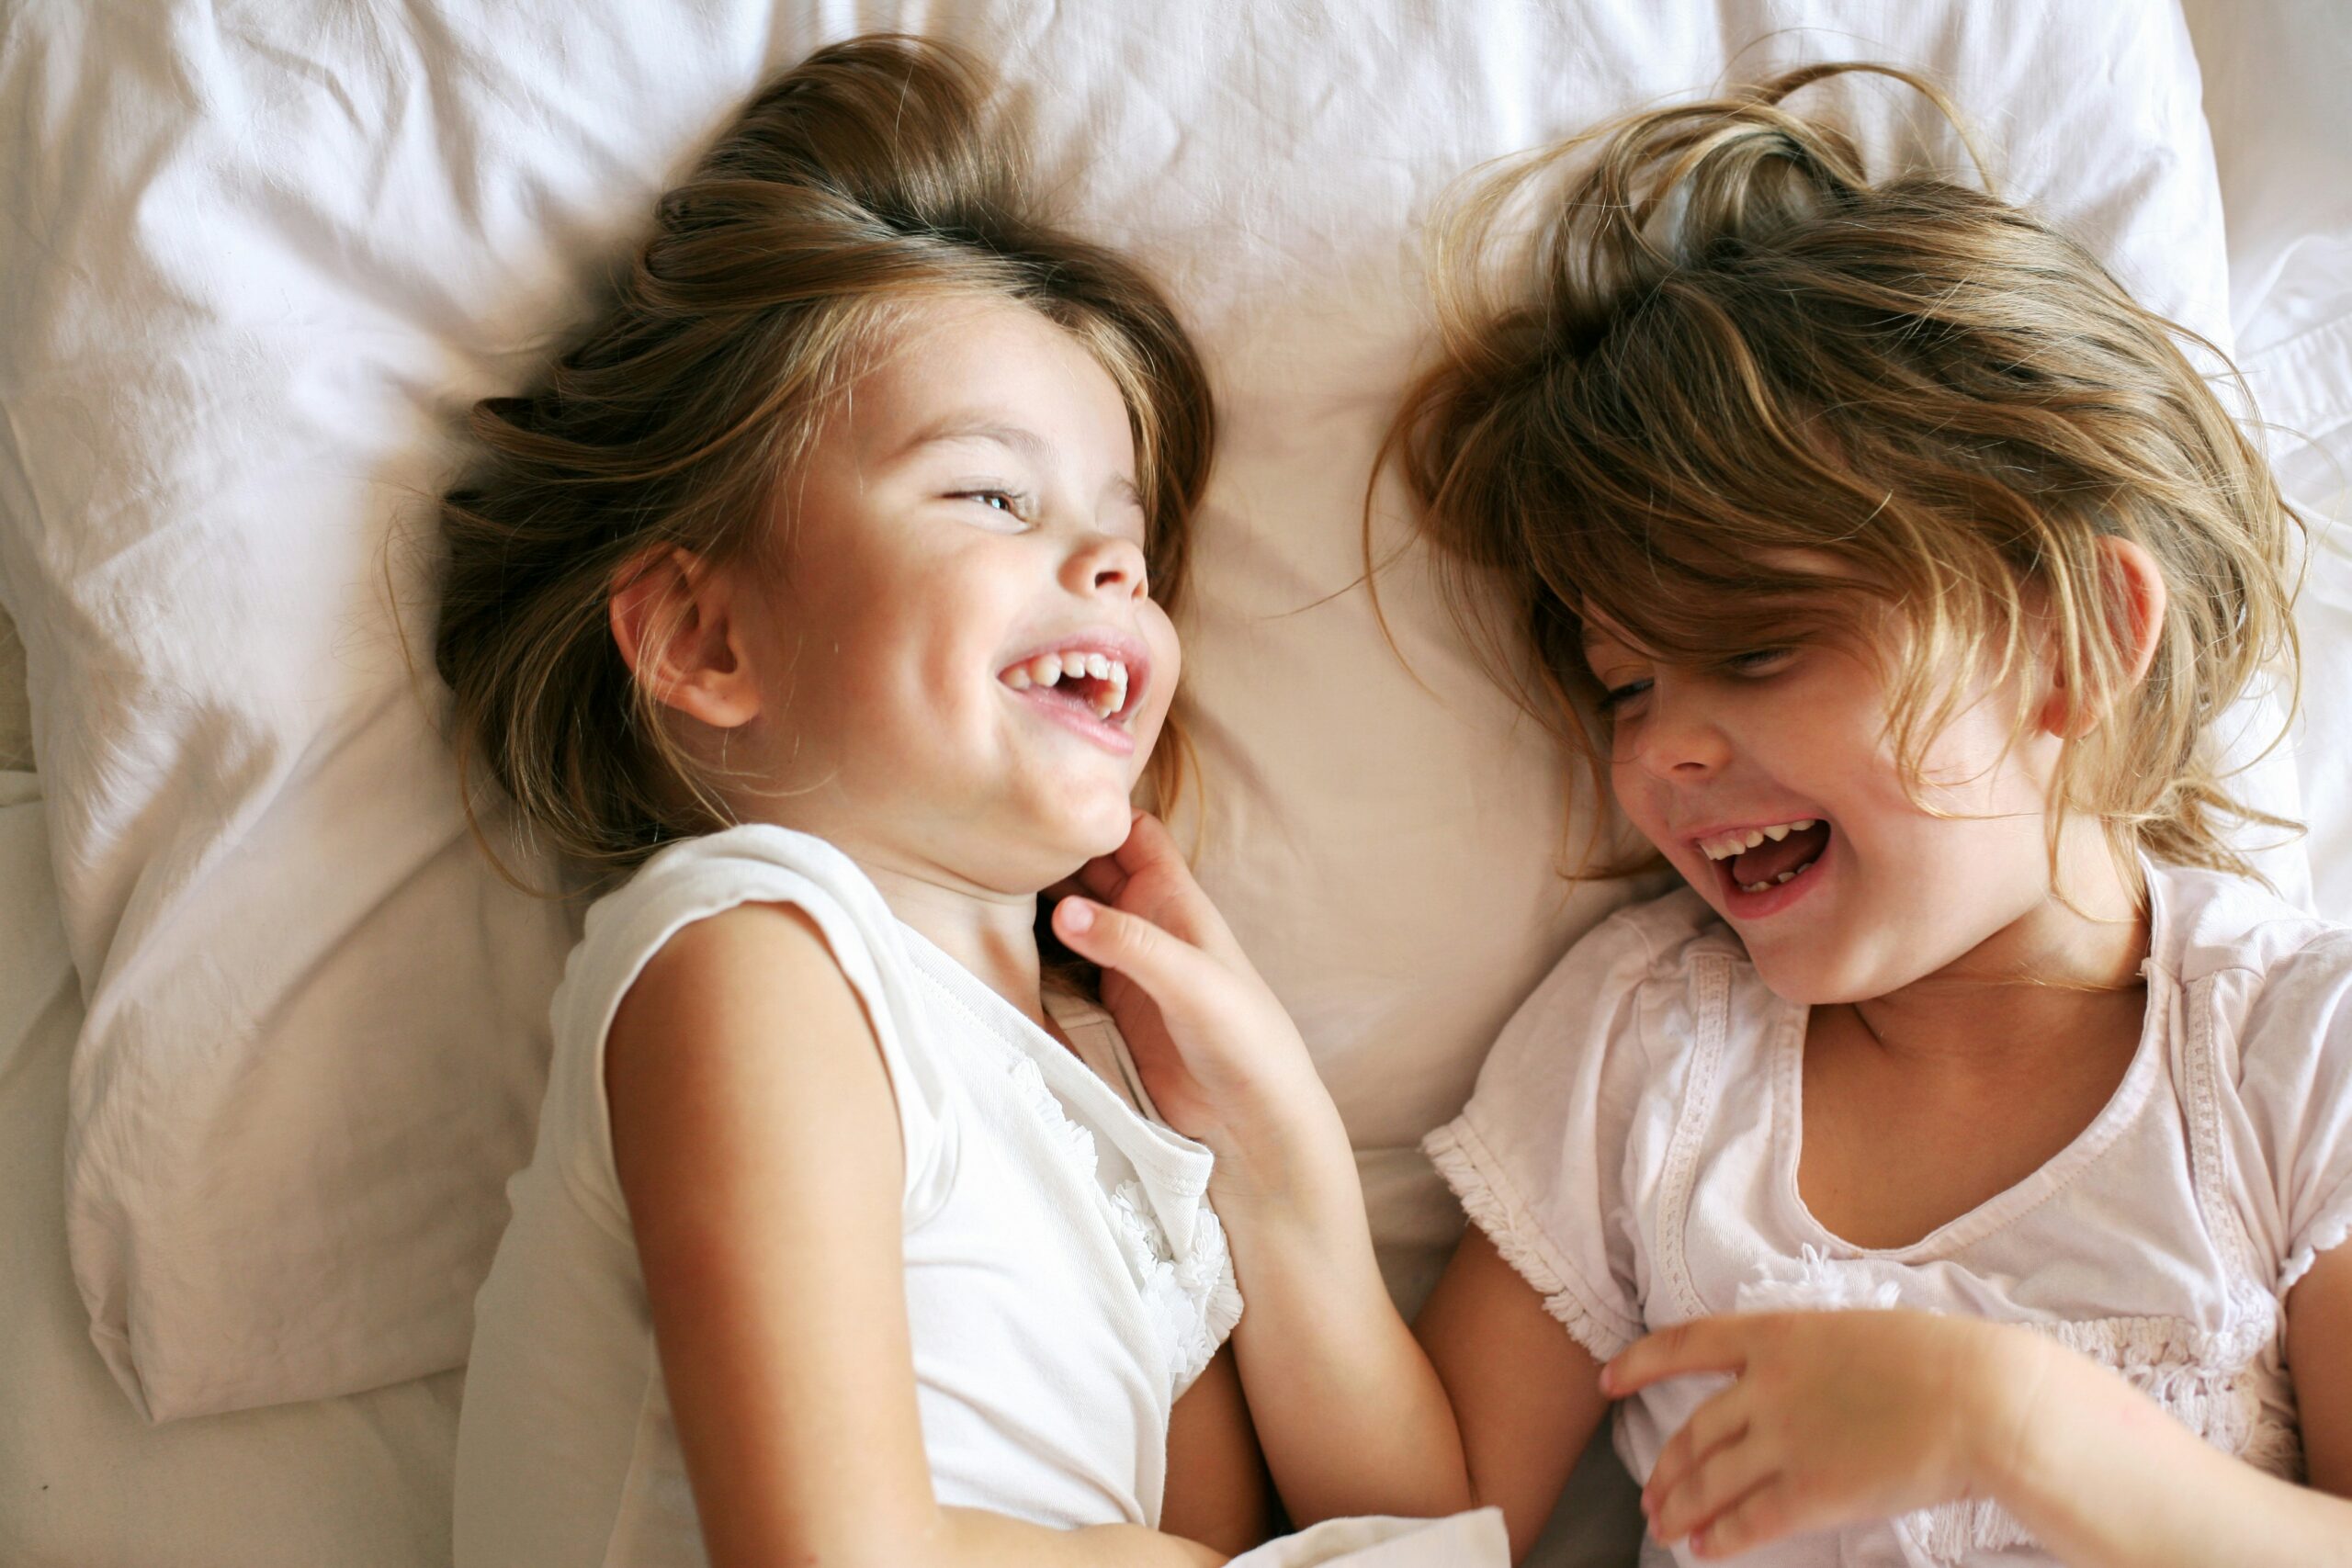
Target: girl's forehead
<point>1796,595</point>
<point>1601,633</point>
<point>983,370</point>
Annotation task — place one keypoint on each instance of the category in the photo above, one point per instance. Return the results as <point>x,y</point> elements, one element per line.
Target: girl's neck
<point>2034,982</point>
<point>993,935</point>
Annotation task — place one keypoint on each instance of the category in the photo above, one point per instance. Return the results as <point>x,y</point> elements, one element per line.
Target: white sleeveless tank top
<point>1066,1278</point>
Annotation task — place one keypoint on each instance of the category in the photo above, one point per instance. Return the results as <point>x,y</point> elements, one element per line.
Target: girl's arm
<point>758,1148</point>
<point>1353,1415</point>
<point>1844,1416</point>
<point>1526,1395</point>
<point>1218,1492</point>
<point>1349,1408</point>
<point>2105,1477</point>
<point>2319,1360</point>
<point>1488,1402</point>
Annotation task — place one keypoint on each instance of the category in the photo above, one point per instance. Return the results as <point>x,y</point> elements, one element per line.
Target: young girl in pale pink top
<point>1960,1168</point>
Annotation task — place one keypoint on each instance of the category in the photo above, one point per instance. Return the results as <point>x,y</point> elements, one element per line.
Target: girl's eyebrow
<point>977,427</point>
<point>1016,438</point>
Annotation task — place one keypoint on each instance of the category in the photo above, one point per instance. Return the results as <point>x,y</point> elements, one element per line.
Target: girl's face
<point>961,667</point>
<point>1771,784</point>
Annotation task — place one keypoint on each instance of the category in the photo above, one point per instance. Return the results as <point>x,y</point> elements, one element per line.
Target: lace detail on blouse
<point>2212,1384</point>
<point>1819,1283</point>
<point>1194,1299</point>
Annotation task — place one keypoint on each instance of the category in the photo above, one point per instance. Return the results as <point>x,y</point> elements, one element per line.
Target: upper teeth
<point>1727,845</point>
<point>1048,668</point>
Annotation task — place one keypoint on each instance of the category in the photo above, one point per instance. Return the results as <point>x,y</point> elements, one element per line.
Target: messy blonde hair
<point>857,184</point>
<point>1747,374</point>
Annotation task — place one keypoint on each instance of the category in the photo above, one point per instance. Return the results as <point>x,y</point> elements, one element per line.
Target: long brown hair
<point>1739,390</point>
<point>861,181</point>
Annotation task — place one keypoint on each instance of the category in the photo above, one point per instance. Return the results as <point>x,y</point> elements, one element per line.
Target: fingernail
<point>1608,1380</point>
<point>1077,915</point>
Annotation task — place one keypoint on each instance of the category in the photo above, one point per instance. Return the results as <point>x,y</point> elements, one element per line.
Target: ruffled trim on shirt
<point>2208,1383</point>
<point>1515,1233</point>
<point>1076,1141</point>
<point>2333,1231</point>
<point>1194,1300</point>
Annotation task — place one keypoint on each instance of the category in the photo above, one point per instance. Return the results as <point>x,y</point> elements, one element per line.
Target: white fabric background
<point>2276,74</point>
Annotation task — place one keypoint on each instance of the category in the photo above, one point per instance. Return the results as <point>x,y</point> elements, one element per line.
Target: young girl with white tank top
<point>818,597</point>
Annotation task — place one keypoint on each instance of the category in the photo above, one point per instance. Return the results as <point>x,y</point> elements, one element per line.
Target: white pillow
<point>265,253</point>
<point>2274,74</point>
<point>364,1479</point>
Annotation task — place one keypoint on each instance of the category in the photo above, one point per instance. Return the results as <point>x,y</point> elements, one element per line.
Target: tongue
<point>1080,690</point>
<point>1768,860</point>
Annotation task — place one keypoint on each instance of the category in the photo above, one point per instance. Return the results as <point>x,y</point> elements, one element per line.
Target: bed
<point>250,1165</point>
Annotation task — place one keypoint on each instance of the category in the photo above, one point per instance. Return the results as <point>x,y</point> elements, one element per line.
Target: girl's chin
<point>1803,979</point>
<point>1097,829</point>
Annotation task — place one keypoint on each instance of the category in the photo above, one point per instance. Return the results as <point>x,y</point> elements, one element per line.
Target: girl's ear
<point>674,618</point>
<point>2131,600</point>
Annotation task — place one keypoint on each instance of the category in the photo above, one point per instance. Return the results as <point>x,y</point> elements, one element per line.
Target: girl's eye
<point>1616,697</point>
<point>1009,503</point>
<point>1759,660</point>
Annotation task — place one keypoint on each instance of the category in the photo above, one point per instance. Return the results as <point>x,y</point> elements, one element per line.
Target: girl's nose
<point>1107,565</point>
<point>1677,736</point>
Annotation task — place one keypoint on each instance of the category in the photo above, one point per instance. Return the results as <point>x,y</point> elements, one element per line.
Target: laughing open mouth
<point>1106,684</point>
<point>1756,859</point>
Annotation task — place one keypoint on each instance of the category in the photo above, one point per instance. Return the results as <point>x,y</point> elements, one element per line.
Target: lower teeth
<point>1784,876</point>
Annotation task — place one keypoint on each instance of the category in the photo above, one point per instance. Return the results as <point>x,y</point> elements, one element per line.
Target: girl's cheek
<point>1627,783</point>
<point>1166,648</point>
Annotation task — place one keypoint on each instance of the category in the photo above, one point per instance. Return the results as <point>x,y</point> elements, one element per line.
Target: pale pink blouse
<point>1632,1149</point>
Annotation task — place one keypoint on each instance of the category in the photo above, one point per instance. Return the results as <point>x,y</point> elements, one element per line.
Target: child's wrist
<point>2007,1419</point>
<point>1292,1168</point>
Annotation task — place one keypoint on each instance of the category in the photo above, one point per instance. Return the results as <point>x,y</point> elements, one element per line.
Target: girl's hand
<point>1834,1417</point>
<point>1220,1057</point>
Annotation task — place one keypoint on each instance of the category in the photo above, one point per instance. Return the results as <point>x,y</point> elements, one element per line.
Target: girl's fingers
<point>1164,967</point>
<point>1711,1489</point>
<point>1766,1513</point>
<point>1149,842</point>
<point>1701,1345</point>
<point>1721,1420</point>
<point>1101,879</point>
<point>1150,850</point>
<point>1105,878</point>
